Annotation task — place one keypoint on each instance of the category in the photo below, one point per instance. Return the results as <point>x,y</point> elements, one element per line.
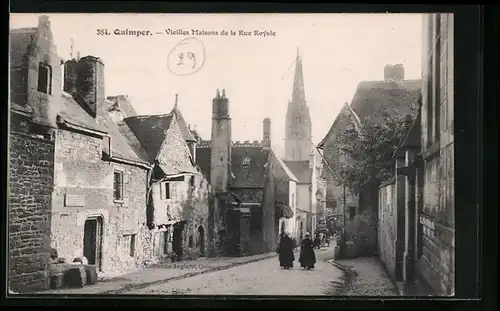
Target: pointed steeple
<point>188,136</point>
<point>298,137</point>
<point>298,93</point>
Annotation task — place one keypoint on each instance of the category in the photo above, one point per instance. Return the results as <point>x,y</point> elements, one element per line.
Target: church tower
<point>298,137</point>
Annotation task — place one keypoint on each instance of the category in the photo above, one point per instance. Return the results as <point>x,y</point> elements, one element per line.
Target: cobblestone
<point>367,278</point>
<point>264,277</point>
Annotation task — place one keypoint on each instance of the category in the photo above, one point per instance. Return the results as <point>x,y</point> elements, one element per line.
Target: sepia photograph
<point>231,154</point>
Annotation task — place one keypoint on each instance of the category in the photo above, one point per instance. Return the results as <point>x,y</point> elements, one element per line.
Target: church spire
<point>298,81</point>
<point>298,142</point>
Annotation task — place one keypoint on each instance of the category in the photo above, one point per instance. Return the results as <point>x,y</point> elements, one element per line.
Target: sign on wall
<point>74,200</point>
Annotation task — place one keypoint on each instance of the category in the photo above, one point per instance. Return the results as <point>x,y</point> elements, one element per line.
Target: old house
<point>286,194</point>
<point>246,214</point>
<point>422,254</point>
<point>372,100</point>
<point>97,195</point>
<point>31,161</point>
<point>178,194</point>
<point>300,156</point>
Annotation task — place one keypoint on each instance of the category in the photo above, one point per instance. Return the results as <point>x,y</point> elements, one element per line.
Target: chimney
<point>90,83</point>
<point>220,165</point>
<point>267,133</point>
<point>394,72</point>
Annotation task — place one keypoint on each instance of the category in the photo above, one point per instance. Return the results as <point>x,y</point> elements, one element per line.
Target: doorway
<point>92,241</point>
<point>201,239</point>
<point>177,239</point>
<point>233,232</point>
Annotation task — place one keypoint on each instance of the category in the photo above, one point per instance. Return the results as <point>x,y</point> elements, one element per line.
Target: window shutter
<point>125,178</point>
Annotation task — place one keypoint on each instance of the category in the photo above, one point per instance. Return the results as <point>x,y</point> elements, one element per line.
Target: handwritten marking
<point>187,57</point>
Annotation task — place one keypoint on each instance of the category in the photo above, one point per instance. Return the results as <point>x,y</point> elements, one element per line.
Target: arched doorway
<point>201,239</point>
<point>92,240</point>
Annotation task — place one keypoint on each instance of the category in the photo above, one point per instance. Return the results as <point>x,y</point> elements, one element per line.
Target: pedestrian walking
<point>307,257</point>
<point>285,251</point>
<point>317,241</point>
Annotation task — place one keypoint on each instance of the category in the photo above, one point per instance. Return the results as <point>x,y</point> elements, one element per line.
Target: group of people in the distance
<point>286,247</point>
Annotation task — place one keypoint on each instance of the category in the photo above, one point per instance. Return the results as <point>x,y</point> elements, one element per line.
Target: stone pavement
<point>264,277</point>
<point>160,274</point>
<point>366,276</point>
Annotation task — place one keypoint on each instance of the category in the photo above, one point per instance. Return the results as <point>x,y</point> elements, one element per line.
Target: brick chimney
<point>267,133</point>
<point>394,72</point>
<point>90,84</point>
<point>220,165</point>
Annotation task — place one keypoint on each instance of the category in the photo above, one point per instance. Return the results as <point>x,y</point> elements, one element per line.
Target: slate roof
<point>243,176</point>
<point>150,131</point>
<point>373,97</point>
<point>346,112</point>
<point>287,170</point>
<point>301,170</point>
<point>186,132</point>
<point>120,146</point>
<point>20,39</point>
<point>72,112</point>
<point>252,175</point>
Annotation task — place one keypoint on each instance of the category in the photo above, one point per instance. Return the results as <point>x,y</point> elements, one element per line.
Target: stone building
<point>97,192</point>
<point>178,195</point>
<point>242,174</point>
<point>429,257</point>
<point>31,159</point>
<point>423,228</point>
<point>300,155</point>
<point>286,195</point>
<point>359,207</point>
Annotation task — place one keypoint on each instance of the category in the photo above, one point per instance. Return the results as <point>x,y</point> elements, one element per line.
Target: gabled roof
<point>251,175</point>
<point>73,112</point>
<point>150,131</point>
<point>412,138</point>
<point>186,132</point>
<point>20,39</point>
<point>285,168</point>
<point>372,98</point>
<point>345,114</point>
<point>300,170</point>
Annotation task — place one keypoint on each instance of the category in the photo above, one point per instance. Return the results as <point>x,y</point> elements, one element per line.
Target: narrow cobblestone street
<point>366,277</point>
<point>259,278</point>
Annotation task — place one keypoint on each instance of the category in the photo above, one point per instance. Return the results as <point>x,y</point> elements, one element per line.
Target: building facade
<point>243,177</point>
<point>178,197</point>
<point>436,246</point>
<point>97,194</point>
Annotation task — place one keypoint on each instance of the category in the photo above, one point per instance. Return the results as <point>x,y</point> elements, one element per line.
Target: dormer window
<point>246,161</point>
<point>44,78</point>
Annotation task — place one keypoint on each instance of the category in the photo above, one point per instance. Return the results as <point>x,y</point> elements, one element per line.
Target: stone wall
<point>269,219</point>
<point>30,188</point>
<point>436,251</point>
<point>83,187</point>
<point>387,228</point>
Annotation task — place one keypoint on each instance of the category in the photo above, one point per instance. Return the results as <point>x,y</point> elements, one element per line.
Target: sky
<point>338,51</point>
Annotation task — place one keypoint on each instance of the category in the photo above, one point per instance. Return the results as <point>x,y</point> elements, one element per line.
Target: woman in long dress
<point>307,257</point>
<point>285,251</point>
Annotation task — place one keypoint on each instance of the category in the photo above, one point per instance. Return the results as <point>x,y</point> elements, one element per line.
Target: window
<point>118,185</point>
<point>161,191</point>
<point>190,241</point>
<point>191,181</point>
<point>167,190</point>
<point>129,244</point>
<point>44,78</point>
